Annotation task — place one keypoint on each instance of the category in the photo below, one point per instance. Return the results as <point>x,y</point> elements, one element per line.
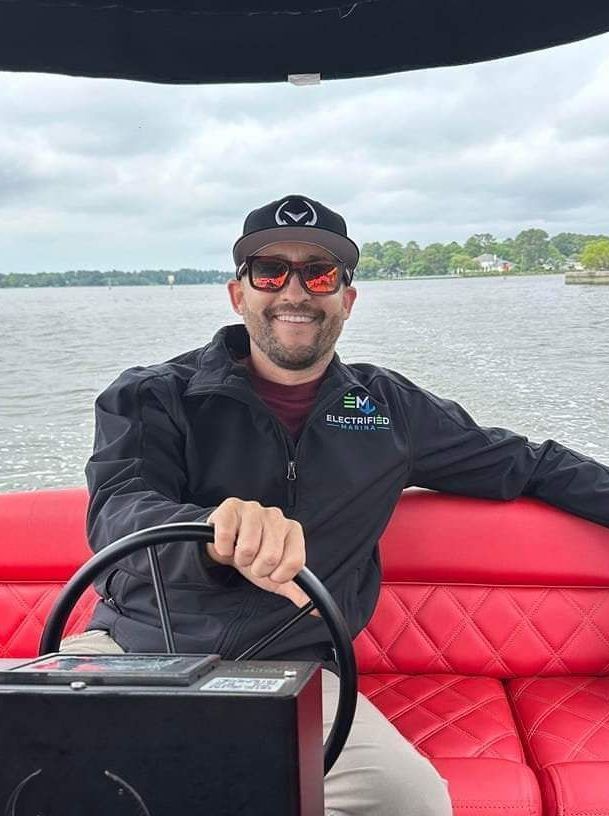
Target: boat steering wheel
<point>198,533</point>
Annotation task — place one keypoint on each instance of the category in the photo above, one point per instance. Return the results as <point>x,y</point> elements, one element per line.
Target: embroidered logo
<point>358,412</point>
<point>296,211</point>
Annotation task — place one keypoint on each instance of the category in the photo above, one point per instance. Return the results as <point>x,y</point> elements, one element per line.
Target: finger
<point>272,543</point>
<point>226,524</point>
<point>295,594</point>
<point>293,558</point>
<point>248,537</point>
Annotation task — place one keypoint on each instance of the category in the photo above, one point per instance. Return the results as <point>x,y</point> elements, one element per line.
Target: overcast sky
<point>102,174</point>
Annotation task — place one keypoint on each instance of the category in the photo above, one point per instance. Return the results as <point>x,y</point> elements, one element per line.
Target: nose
<point>294,291</point>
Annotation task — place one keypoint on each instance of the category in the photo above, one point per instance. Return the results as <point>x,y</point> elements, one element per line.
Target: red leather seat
<point>488,649</point>
<point>565,724</point>
<point>42,543</point>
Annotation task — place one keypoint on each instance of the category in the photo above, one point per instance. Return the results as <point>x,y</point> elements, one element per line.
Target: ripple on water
<point>528,354</point>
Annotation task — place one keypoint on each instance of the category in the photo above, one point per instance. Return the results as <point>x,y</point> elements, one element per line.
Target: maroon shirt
<point>291,404</point>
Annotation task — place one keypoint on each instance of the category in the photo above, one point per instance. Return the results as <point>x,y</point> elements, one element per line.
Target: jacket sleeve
<point>136,475</point>
<point>452,453</point>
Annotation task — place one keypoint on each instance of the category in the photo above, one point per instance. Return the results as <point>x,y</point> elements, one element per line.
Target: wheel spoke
<point>161,599</point>
<point>263,642</point>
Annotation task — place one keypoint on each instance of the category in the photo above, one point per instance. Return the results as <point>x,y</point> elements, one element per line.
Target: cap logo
<point>306,217</point>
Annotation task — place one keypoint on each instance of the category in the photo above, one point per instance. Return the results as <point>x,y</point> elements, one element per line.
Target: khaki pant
<point>378,773</point>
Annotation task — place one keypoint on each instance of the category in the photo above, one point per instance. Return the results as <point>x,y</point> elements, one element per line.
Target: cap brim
<point>343,248</point>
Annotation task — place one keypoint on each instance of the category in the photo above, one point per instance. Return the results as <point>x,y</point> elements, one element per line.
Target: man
<point>252,433</point>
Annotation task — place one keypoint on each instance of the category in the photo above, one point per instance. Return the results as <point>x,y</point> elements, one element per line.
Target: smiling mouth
<point>294,318</point>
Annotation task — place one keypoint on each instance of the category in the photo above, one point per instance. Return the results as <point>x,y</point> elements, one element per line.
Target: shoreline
<point>223,283</point>
<point>460,277</point>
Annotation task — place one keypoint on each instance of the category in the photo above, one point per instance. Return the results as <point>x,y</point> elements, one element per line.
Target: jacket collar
<point>221,364</point>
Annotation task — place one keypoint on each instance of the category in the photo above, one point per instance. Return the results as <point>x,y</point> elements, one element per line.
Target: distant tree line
<point>531,252</point>
<point>114,277</point>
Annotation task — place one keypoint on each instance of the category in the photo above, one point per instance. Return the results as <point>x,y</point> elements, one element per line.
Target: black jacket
<point>174,440</point>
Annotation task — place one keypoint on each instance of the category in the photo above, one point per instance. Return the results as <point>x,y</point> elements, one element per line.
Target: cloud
<point>114,174</point>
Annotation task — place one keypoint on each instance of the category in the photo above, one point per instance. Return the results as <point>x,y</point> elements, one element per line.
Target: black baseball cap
<point>296,218</point>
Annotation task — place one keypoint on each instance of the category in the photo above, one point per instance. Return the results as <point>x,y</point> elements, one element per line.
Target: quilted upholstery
<point>488,649</point>
<point>495,631</point>
<point>491,620</point>
<point>565,725</point>
<point>23,610</point>
<point>447,715</point>
<point>563,719</point>
<point>42,543</point>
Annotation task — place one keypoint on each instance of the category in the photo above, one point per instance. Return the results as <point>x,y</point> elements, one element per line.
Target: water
<point>530,354</point>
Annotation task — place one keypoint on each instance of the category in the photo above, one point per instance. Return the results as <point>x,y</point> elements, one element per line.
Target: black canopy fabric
<point>202,41</point>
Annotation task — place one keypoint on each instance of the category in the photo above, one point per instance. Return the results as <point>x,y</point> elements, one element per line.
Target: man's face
<point>292,327</point>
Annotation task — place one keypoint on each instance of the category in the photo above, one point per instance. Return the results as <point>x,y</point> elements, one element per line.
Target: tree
<point>596,254</point>
<point>412,251</point>
<point>571,244</point>
<point>507,250</point>
<point>368,267</point>
<point>417,268</point>
<point>393,255</point>
<point>434,259</point>
<point>555,259</point>
<point>479,244</point>
<point>452,249</point>
<point>462,263</point>
<point>373,250</point>
<point>568,243</point>
<point>532,248</point>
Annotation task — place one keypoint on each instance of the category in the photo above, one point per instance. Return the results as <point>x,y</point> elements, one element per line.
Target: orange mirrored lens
<point>269,274</point>
<point>321,278</point>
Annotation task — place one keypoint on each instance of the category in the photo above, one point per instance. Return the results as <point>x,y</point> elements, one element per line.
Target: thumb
<point>294,593</point>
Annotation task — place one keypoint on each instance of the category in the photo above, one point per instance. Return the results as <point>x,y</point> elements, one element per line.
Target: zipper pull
<point>291,471</point>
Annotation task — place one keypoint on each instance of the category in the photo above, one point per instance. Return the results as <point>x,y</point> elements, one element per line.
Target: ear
<point>235,293</point>
<point>349,296</point>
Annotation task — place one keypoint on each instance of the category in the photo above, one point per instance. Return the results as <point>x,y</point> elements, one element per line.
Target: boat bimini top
<point>222,41</point>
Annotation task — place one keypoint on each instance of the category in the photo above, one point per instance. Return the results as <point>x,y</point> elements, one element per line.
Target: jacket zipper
<point>247,611</point>
<point>291,477</point>
<point>291,450</point>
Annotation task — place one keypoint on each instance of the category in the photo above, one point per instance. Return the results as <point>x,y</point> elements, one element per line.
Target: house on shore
<point>493,263</point>
<point>573,263</point>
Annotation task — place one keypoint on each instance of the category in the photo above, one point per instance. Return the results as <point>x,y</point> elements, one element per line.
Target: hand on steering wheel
<point>267,548</point>
<point>196,533</point>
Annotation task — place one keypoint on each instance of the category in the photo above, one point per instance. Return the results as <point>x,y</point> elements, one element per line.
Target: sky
<point>109,174</point>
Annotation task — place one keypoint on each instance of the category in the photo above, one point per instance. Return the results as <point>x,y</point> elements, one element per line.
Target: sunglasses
<point>318,277</point>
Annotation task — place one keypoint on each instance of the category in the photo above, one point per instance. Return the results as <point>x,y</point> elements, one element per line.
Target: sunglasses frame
<point>294,267</point>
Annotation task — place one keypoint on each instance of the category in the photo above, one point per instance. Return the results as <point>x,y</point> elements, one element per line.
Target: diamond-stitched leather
<point>489,589</point>
<point>485,630</point>
<point>563,719</point>
<point>447,715</point>
<point>536,604</point>
<point>576,788</point>
<point>23,612</point>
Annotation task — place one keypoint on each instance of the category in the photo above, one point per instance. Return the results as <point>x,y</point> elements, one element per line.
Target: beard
<point>260,327</point>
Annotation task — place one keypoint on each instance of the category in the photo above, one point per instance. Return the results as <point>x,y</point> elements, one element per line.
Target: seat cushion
<point>562,719</point>
<point>575,789</point>
<point>24,608</point>
<point>491,787</point>
<point>465,727</point>
<point>564,722</point>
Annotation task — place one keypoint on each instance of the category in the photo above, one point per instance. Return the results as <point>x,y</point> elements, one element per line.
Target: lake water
<point>530,354</point>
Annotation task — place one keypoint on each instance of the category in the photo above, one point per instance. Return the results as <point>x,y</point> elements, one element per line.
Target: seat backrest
<point>470,586</point>
<point>42,543</point>
<point>481,587</point>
